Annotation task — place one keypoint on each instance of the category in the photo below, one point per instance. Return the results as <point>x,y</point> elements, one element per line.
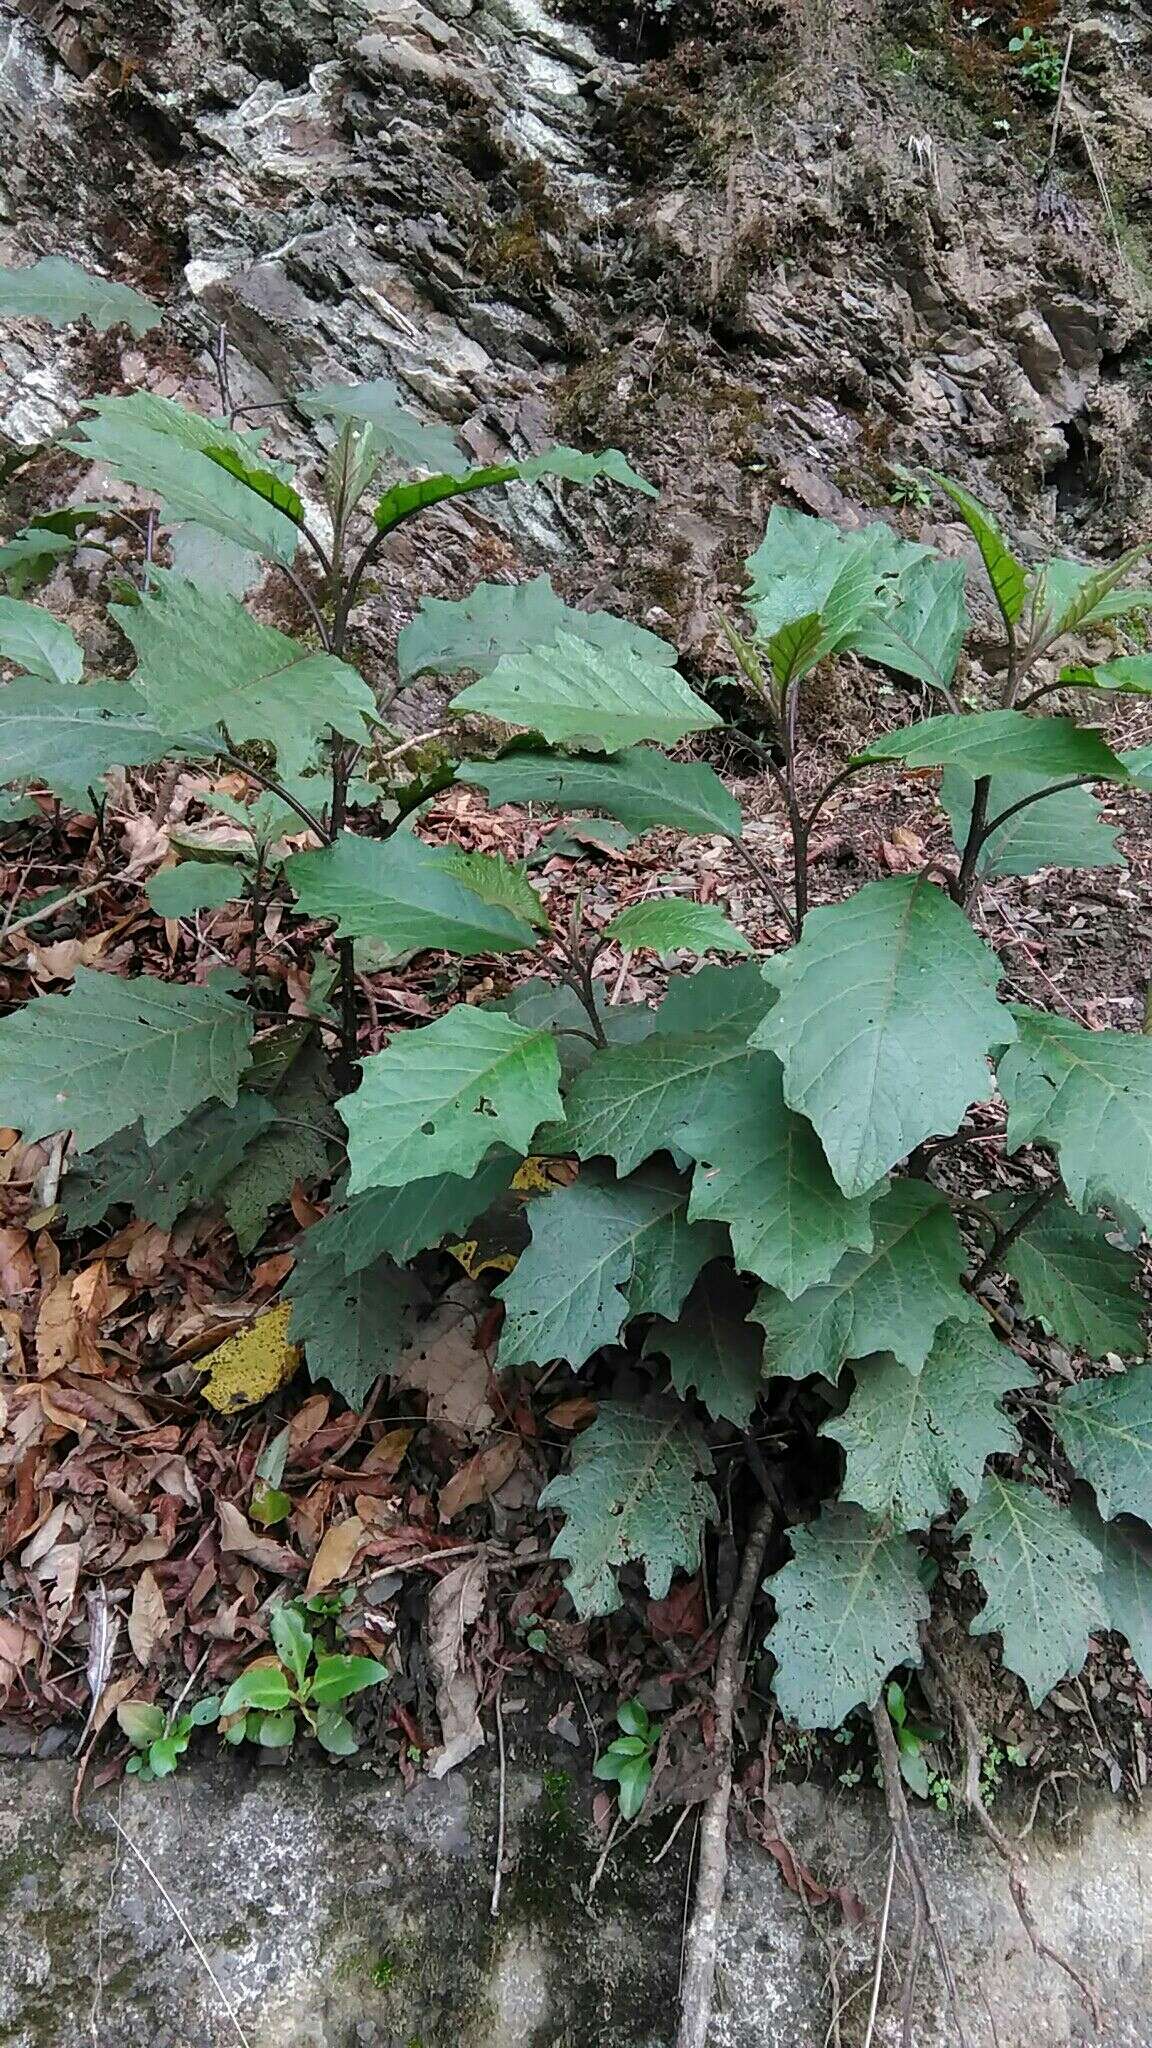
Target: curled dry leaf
<point>337,1554</point>
<point>147,1618</point>
<point>479,1477</point>
<point>456,1603</point>
<point>240,1539</point>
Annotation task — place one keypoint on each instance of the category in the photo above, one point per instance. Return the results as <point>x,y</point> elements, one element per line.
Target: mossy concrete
<point>339,1911</point>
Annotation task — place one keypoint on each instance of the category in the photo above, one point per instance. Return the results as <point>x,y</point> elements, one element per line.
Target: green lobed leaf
<point>848,1610</point>
<point>642,788</point>
<point>885,1018</point>
<point>206,559</point>
<point>60,291</point>
<point>1125,1582</point>
<point>602,1250</point>
<point>15,809</point>
<point>572,691</point>
<point>295,1145</point>
<point>398,430</point>
<point>1105,1425</point>
<point>802,561</point>
<point>635,1492</point>
<point>761,1169</point>
<point>923,633</point>
<point>502,884</point>
<point>1000,743</point>
<point>195,885</point>
<point>438,1098</point>
<point>914,1438</point>
<point>711,1350</point>
<point>68,735</point>
<point>408,895</point>
<point>402,1221</point>
<point>352,1326</point>
<point>892,1297</point>
<point>159,1181</point>
<point>496,619</point>
<point>1005,574</point>
<point>673,923</point>
<point>1040,1575</point>
<point>204,662</point>
<point>1088,1094</point>
<point>114,1051</point>
<point>264,482</point>
<point>1062,830</point>
<point>573,466</point>
<point>39,644</point>
<point>1072,1276</point>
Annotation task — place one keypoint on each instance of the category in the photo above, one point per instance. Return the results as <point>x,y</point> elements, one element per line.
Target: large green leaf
<point>1088,1094</point>
<point>573,466</point>
<point>634,1100</point>
<point>411,440</point>
<point>399,1222</point>
<point>160,1181</point>
<point>673,923</point>
<point>190,485</point>
<point>642,788</point>
<point>69,734</point>
<point>404,893</point>
<point>711,1350</point>
<point>1105,1426</point>
<point>1041,1578</point>
<point>1125,1582</point>
<point>924,631</point>
<point>1073,1277</point>
<point>602,1250</point>
<point>195,885</point>
<point>1000,743</point>
<point>59,291</point>
<point>352,1326</point>
<point>914,1438</point>
<point>438,1098</point>
<point>886,1015</point>
<point>204,662</point>
<point>403,500</point>
<point>801,562</point>
<point>296,1146</point>
<point>761,1170</point>
<point>1129,675</point>
<point>1005,574</point>
<point>892,1297</point>
<point>112,1052</point>
<point>39,644</point>
<point>1063,830</point>
<point>848,1610</point>
<point>496,619</point>
<point>30,556</point>
<point>597,698</point>
<point>636,1491</point>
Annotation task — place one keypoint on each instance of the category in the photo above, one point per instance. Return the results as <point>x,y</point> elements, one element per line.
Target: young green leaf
<point>633,1780</point>
<point>573,466</point>
<point>59,291</point>
<point>114,1051</point>
<point>674,923</point>
<point>352,1326</point>
<point>334,1732</point>
<point>892,1297</point>
<point>263,1685</point>
<point>140,1722</point>
<point>293,1643</point>
<point>914,1438</point>
<point>602,1250</point>
<point>1125,1582</point>
<point>632,1719</point>
<point>1075,594</point>
<point>636,1491</point>
<point>159,1181</point>
<point>712,1351</point>
<point>337,1678</point>
<point>264,482</point>
<point>30,557</point>
<point>496,619</point>
<point>1088,1094</point>
<point>68,735</point>
<point>886,1016</point>
<point>39,644</point>
<point>574,692</point>
<point>1063,830</point>
<point>1129,675</point>
<point>275,1731</point>
<point>193,886</point>
<point>409,896</point>
<point>1005,574</point>
<point>1105,1426</point>
<point>642,788</point>
<point>848,1609</point>
<point>1000,743</point>
<point>205,662</point>
<point>1070,1274</point>
<point>398,430</point>
<point>502,884</point>
<point>1040,1575</point>
<point>438,1098</point>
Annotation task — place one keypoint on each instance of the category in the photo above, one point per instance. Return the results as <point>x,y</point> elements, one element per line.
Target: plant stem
<point>257,906</point>
<point>278,789</point>
<point>756,867</point>
<point>977,834</point>
<point>1005,1239</point>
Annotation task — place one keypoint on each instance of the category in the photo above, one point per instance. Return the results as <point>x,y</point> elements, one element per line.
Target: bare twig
<point>1058,110</point>
<point>881,1947</point>
<point>700,1966</point>
<point>502,1807</point>
<point>419,739</point>
<point>178,1916</point>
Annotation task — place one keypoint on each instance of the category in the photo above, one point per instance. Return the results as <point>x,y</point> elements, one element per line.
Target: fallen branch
<point>700,1963</point>
<point>1011,1853</point>
<point>924,1911</point>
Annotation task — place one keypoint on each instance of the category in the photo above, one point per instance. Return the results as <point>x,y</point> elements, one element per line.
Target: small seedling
<point>532,1632</point>
<point>158,1739</point>
<point>302,1682</point>
<point>906,488</point>
<point>628,1763</point>
<point>912,1740</point>
<point>1039,63</point>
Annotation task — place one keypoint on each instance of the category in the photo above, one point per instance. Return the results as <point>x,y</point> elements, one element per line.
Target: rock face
<point>334,1911</point>
<point>770,250</point>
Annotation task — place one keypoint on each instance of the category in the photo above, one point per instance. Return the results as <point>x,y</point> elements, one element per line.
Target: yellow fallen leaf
<point>541,1173</point>
<point>475,1260</point>
<point>246,1368</point>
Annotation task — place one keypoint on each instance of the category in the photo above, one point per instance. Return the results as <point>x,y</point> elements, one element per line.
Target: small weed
<point>628,1763</point>
<point>1040,63</point>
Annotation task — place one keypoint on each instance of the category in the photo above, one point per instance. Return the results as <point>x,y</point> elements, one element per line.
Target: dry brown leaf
<point>444,1362</point>
<point>147,1618</point>
<point>387,1455</point>
<point>306,1421</point>
<point>58,962</point>
<point>336,1555</point>
<point>17,1266</point>
<point>17,1648</point>
<point>11,1342</point>
<point>57,1328</point>
<point>239,1538</point>
<point>479,1478</point>
<point>147,1256</point>
<point>454,1605</point>
<point>572,1414</point>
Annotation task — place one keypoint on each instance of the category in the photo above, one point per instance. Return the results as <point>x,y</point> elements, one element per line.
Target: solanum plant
<point>767,1191</point>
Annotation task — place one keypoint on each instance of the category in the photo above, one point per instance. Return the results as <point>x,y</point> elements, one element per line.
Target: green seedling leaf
<point>334,1732</point>
<point>574,692</point>
<point>632,1719</point>
<point>1040,1576</point>
<point>275,1731</point>
<point>635,1491</point>
<point>141,1723</point>
<point>59,291</point>
<point>264,1686</point>
<point>337,1678</point>
<point>294,1645</point>
<point>848,1608</point>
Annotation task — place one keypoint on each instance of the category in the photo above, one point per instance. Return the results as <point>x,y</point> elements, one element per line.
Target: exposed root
<point>924,1912</point>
